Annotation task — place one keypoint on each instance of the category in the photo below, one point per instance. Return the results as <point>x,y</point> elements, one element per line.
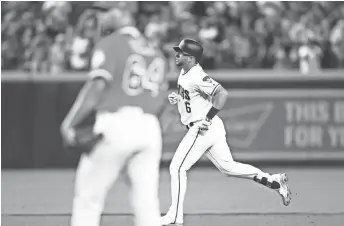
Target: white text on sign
<point>314,124</point>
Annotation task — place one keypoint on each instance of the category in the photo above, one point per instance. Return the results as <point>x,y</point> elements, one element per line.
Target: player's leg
<point>143,171</point>
<point>95,175</point>
<point>221,156</point>
<point>189,151</point>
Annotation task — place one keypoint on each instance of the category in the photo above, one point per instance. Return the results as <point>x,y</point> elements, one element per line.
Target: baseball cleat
<point>167,220</point>
<point>284,189</point>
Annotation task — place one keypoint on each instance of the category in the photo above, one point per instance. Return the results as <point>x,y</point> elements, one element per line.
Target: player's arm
<point>83,106</point>
<point>219,100</point>
<point>219,97</point>
<point>88,97</point>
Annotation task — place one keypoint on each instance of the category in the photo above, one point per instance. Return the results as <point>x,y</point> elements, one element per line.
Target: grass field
<point>44,198</point>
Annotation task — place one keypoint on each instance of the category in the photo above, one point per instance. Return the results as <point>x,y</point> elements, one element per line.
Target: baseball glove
<point>85,140</point>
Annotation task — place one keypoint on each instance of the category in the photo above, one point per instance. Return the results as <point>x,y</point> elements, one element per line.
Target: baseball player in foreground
<point>127,74</point>
<point>199,99</point>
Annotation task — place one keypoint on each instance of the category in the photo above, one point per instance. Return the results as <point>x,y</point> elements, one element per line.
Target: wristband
<point>212,112</point>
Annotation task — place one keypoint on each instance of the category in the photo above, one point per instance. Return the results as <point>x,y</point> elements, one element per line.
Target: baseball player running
<point>127,74</point>
<point>199,99</point>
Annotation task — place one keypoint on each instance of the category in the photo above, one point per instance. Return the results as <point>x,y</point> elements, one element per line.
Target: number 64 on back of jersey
<point>138,76</point>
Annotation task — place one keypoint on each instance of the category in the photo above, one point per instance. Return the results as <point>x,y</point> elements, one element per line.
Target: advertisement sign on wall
<point>267,114</point>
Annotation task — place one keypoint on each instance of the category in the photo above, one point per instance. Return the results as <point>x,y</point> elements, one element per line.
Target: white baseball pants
<point>194,144</point>
<point>131,138</point>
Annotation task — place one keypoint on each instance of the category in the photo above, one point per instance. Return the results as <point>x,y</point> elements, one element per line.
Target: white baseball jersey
<point>195,88</point>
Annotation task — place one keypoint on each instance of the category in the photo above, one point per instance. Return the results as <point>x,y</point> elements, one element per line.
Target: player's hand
<point>80,140</point>
<point>173,98</point>
<point>68,136</point>
<point>85,139</point>
<point>204,125</point>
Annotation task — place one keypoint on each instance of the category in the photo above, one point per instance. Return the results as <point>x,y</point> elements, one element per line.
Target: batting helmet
<point>190,47</point>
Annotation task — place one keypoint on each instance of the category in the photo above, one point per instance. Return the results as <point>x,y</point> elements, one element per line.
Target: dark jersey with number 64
<point>135,72</point>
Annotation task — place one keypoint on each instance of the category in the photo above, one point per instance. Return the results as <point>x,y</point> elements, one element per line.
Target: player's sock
<point>267,181</point>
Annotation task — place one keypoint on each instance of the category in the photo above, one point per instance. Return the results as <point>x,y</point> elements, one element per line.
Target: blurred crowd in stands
<point>52,37</point>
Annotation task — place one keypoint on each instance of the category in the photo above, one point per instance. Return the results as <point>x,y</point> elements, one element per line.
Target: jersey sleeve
<point>207,85</point>
<point>101,65</point>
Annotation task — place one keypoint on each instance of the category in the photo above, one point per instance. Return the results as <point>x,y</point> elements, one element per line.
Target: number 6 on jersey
<point>187,106</point>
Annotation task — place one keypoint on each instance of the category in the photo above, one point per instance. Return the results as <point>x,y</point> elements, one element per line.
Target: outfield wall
<point>268,113</point>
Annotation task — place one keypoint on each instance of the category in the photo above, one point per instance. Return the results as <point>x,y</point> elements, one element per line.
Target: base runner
<point>199,99</point>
